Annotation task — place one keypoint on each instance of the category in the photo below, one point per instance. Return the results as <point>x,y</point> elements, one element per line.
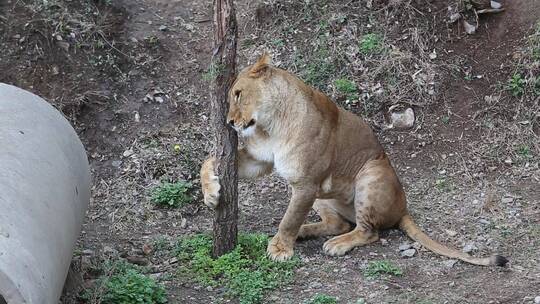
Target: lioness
<point>330,157</point>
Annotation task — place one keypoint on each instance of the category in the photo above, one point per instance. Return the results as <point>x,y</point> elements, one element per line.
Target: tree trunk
<point>224,65</point>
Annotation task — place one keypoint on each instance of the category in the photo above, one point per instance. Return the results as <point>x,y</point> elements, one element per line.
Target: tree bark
<point>224,65</point>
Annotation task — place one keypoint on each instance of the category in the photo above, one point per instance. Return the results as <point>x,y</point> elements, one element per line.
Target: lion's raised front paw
<point>210,183</point>
<point>278,250</point>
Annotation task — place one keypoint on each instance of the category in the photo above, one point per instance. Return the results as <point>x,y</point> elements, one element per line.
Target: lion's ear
<point>261,66</point>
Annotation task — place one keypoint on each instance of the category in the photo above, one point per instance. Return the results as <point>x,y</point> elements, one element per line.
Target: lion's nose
<point>231,122</point>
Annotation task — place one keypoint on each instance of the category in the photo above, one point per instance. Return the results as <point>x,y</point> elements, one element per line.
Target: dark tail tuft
<point>499,260</point>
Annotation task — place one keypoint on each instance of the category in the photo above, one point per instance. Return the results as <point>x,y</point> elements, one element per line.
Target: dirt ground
<point>132,80</point>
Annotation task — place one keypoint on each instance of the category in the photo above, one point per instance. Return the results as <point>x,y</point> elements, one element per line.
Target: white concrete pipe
<point>44,193</point>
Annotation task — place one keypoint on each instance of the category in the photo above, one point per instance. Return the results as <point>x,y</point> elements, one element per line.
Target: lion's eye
<point>237,95</point>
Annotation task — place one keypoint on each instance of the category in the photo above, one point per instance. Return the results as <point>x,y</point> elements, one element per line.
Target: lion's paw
<point>278,250</point>
<point>210,183</point>
<point>337,246</point>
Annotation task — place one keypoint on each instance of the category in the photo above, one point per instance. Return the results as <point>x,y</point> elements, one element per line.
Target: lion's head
<point>247,96</point>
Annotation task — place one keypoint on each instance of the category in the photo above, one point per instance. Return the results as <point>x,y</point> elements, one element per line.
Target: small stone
<point>137,260</point>
<point>508,161</point>
<point>469,247</point>
<point>116,163</point>
<point>88,252</point>
<point>496,5</point>
<point>209,288</point>
<point>405,246</point>
<point>408,253</point>
<point>183,223</point>
<point>163,28</point>
<point>128,153</point>
<point>537,300</point>
<point>158,99</point>
<point>483,221</point>
<point>507,200</point>
<point>450,263</point>
<point>315,285</point>
<point>109,250</point>
<point>450,232</point>
<point>147,249</point>
<point>402,120</point>
<point>384,242</point>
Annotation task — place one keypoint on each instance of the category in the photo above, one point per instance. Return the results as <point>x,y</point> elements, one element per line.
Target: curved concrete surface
<point>44,193</point>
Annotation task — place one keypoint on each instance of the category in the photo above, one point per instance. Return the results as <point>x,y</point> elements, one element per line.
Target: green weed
<point>126,284</point>
<point>347,88</point>
<point>516,85</point>
<point>371,44</point>
<point>322,299</point>
<point>172,194</point>
<point>212,72</point>
<point>246,272</point>
<point>524,151</point>
<point>442,184</point>
<point>377,268</point>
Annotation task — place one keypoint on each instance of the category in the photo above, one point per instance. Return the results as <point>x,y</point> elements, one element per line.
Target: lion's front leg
<point>281,247</point>
<point>248,167</point>
<point>210,183</point>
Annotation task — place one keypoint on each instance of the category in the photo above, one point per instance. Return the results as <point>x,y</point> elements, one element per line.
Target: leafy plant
<point>172,194</point>
<point>376,268</point>
<point>371,44</point>
<point>524,151</point>
<point>347,88</point>
<point>516,85</point>
<point>126,284</point>
<point>246,272</point>
<point>322,299</point>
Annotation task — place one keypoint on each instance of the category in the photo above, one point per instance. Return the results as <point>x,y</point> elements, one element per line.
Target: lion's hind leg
<point>332,223</point>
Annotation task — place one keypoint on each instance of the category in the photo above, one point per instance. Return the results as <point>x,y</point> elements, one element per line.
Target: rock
<point>450,232</point>
<point>469,247</point>
<point>128,153</point>
<point>537,300</point>
<point>402,120</point>
<point>469,28</point>
<point>450,263</point>
<point>88,252</point>
<point>405,246</point>
<point>484,221</point>
<point>147,249</point>
<point>116,163</point>
<point>507,200</point>
<point>315,285</point>
<point>384,242</point>
<point>408,253</point>
<point>109,250</point>
<point>163,28</point>
<point>183,223</point>
<point>495,4</point>
<point>137,260</point>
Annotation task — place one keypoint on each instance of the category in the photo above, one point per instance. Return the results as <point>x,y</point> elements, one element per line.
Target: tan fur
<point>330,157</point>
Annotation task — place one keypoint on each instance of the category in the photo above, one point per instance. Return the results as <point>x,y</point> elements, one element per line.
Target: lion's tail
<point>414,232</point>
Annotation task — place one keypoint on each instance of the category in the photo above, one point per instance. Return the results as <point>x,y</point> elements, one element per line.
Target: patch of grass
<point>376,268</point>
<point>172,194</point>
<point>516,85</point>
<point>524,151</point>
<point>246,272</point>
<point>125,284</point>
<point>347,88</point>
<point>371,44</point>
<point>212,72</point>
<point>322,299</point>
<point>442,184</point>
